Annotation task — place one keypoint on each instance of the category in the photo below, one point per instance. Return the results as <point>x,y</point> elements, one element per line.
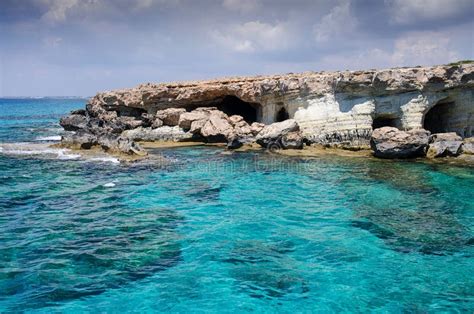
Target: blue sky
<point>81,47</point>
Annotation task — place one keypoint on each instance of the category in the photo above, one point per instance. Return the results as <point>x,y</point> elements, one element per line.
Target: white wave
<point>105,159</point>
<point>36,149</point>
<point>49,138</point>
<point>109,185</point>
<point>44,150</point>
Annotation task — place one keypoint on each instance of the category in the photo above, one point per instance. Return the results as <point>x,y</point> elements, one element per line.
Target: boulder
<point>187,118</point>
<point>81,112</point>
<point>205,109</point>
<point>128,123</point>
<point>444,144</point>
<point>389,142</point>
<point>292,140</point>
<point>256,127</point>
<point>273,133</point>
<point>235,119</point>
<point>468,146</point>
<point>156,123</point>
<point>243,129</point>
<point>95,110</point>
<point>164,133</point>
<point>170,116</point>
<point>79,139</point>
<point>196,126</point>
<point>73,122</point>
<point>147,119</point>
<point>217,129</point>
<point>234,143</point>
<point>119,144</point>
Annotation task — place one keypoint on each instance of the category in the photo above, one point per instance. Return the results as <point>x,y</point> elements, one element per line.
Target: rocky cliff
<point>330,108</point>
<point>340,108</point>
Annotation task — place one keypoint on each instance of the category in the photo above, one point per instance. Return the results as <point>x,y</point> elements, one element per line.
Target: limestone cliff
<point>340,108</point>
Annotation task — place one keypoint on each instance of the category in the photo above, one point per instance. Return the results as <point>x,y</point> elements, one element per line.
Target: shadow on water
<point>87,253</point>
<point>265,270</point>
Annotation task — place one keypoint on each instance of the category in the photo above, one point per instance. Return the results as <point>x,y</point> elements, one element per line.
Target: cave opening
<point>282,115</point>
<point>436,119</point>
<point>232,105</point>
<point>382,121</point>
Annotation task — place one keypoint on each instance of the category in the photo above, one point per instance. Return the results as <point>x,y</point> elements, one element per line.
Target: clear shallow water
<point>213,232</point>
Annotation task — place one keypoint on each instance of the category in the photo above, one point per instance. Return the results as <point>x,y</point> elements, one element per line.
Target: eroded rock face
<point>187,118</point>
<point>444,144</point>
<point>217,129</point>
<point>271,135</point>
<point>388,142</point>
<point>292,140</point>
<point>164,133</point>
<point>73,122</point>
<point>170,116</point>
<point>468,146</point>
<point>331,108</point>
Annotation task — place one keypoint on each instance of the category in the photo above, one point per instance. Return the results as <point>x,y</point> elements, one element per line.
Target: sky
<point>81,47</point>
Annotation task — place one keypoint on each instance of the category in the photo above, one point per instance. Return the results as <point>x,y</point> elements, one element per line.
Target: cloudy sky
<point>80,47</point>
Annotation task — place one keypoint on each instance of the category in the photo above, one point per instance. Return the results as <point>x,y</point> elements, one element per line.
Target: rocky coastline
<point>397,113</point>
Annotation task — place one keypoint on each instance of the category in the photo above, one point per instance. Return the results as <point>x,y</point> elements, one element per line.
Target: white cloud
<point>338,21</point>
<point>57,10</point>
<point>243,6</point>
<point>254,36</point>
<point>423,48</point>
<point>412,49</point>
<point>411,11</point>
<point>145,4</point>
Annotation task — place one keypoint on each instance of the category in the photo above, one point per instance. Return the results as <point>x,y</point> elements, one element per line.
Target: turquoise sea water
<point>207,231</point>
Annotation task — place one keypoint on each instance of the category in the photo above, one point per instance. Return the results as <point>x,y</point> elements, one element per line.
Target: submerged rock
<point>389,142</point>
<point>265,270</point>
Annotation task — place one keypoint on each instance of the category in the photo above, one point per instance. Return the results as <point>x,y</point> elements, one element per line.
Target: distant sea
<point>210,231</point>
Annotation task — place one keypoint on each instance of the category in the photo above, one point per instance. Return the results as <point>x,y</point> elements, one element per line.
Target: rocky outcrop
<point>444,144</point>
<point>164,133</point>
<point>73,122</point>
<point>108,142</point>
<point>281,135</point>
<point>331,108</point>
<point>388,142</point>
<point>468,146</point>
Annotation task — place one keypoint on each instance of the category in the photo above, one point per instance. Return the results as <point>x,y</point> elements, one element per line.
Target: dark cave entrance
<point>282,115</point>
<point>436,119</point>
<point>382,121</point>
<point>232,105</point>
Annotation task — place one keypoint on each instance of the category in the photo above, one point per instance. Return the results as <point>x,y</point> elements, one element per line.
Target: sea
<point>203,230</point>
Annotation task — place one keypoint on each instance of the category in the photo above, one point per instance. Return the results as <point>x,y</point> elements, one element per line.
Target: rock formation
<point>330,108</point>
<point>444,144</point>
<point>389,142</point>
